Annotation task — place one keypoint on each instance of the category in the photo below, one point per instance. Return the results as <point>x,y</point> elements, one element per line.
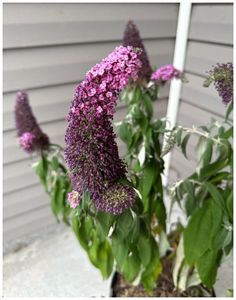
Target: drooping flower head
<point>31,137</point>
<point>132,38</point>
<point>222,76</point>
<point>166,73</point>
<point>91,151</point>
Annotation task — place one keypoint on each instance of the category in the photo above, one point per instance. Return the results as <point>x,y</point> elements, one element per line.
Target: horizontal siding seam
<point>26,212</point>
<point>203,41</point>
<point>171,37</point>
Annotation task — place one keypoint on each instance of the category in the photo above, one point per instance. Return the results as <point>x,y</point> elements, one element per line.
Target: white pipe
<point>175,86</point>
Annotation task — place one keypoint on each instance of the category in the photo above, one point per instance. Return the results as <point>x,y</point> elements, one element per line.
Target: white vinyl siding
<point>48,48</point>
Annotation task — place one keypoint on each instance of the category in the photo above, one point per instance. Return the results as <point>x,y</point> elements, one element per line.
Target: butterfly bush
<point>91,151</point>
<point>31,137</point>
<point>166,73</point>
<point>132,38</point>
<point>222,76</point>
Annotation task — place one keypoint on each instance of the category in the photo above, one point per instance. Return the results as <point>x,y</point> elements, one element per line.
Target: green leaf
<point>136,95</point>
<point>144,249</point>
<point>124,223</point>
<point>160,212</point>
<point>125,133</point>
<point>150,273</point>
<point>218,240</point>
<point>215,195</point>
<point>148,178</point>
<point>93,251</point>
<point>184,144</point>
<point>55,198</point>
<point>105,220</point>
<point>196,234</point>
<point>105,259</point>
<point>212,169</point>
<point>206,157</point>
<point>219,177</point>
<point>120,250</point>
<point>229,205</point>
<point>229,110</point>
<point>55,163</point>
<point>41,169</point>
<point>82,229</point>
<point>148,105</point>
<point>131,267</point>
<point>207,266</point>
<point>135,230</point>
<point>85,200</point>
<point>179,136</point>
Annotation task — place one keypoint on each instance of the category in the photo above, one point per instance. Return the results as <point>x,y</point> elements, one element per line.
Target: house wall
<point>210,41</point>
<point>47,50</point>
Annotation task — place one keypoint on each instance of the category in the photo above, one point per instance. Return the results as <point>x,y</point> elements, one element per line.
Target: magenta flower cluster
<point>26,141</point>
<point>97,94</point>
<point>31,137</point>
<point>166,73</point>
<point>91,151</point>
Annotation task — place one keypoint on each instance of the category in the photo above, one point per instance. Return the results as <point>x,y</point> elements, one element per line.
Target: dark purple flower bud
<point>91,151</point>
<point>132,38</point>
<point>31,136</point>
<point>222,76</point>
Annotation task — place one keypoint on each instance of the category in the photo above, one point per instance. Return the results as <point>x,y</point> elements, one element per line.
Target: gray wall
<point>210,41</point>
<point>47,50</point>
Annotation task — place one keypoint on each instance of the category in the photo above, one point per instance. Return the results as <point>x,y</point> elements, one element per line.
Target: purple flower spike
<point>222,76</point>
<point>91,151</point>
<point>26,123</point>
<point>166,73</point>
<point>132,38</point>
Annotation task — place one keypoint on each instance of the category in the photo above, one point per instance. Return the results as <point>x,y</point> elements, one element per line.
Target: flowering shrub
<point>115,206</point>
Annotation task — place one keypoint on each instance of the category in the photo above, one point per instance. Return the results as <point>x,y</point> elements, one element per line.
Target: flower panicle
<point>91,151</point>
<point>132,38</point>
<point>222,76</point>
<point>166,73</point>
<point>31,137</point>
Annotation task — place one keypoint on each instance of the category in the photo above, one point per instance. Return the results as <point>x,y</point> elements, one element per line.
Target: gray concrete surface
<point>54,265</point>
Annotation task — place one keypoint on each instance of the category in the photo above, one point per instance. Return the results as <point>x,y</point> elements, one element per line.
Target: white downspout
<point>175,86</point>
